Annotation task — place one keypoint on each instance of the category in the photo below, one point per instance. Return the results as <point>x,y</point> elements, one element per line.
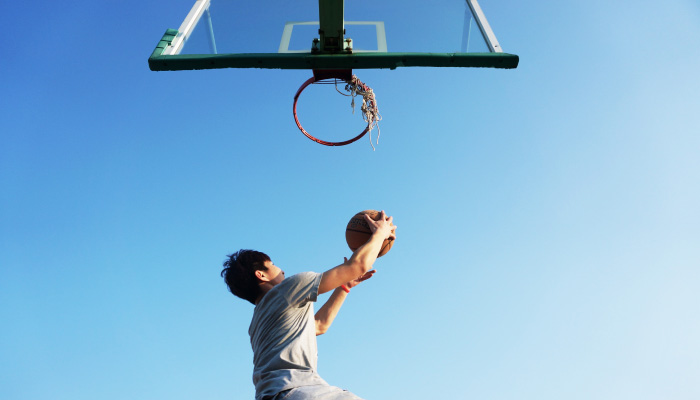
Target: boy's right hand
<point>384,226</point>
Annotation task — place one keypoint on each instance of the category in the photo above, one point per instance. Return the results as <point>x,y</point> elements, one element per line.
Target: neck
<point>264,288</point>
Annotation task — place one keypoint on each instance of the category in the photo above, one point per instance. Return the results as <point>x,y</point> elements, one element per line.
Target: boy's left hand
<point>363,278</point>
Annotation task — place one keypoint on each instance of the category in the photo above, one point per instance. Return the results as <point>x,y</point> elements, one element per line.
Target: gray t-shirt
<point>283,336</point>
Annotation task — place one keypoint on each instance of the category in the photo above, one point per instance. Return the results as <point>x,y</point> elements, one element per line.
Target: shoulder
<point>303,277</point>
<point>300,287</point>
<point>297,279</point>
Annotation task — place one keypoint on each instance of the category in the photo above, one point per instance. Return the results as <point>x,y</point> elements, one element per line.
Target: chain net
<point>370,112</point>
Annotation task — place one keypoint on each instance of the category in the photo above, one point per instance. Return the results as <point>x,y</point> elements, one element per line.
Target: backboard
<point>331,34</point>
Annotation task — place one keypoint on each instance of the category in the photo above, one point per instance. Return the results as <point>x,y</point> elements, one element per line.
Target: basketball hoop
<point>354,86</point>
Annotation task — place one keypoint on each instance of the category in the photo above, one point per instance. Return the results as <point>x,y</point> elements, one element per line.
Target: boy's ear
<point>260,274</point>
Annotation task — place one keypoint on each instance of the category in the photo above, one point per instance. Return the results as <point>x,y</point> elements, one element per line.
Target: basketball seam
<point>355,230</point>
<point>387,242</point>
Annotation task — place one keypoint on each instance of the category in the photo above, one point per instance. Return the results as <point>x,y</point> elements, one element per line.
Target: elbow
<point>321,328</point>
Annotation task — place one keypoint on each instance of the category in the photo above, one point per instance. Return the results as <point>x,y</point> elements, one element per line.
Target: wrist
<point>345,288</point>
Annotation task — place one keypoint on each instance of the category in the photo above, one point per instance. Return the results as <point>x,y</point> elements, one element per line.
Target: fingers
<point>383,223</point>
<point>373,225</point>
<point>362,278</point>
<point>390,222</point>
<point>383,217</point>
<point>367,275</point>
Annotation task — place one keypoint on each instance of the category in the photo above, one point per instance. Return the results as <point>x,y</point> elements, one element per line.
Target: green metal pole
<point>331,15</point>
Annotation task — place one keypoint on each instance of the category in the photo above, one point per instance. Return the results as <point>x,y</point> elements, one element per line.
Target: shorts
<point>316,392</point>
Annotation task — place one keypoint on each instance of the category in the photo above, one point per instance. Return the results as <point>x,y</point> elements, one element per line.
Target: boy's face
<point>274,274</point>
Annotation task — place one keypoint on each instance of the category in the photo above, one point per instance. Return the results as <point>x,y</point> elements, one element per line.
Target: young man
<point>284,328</point>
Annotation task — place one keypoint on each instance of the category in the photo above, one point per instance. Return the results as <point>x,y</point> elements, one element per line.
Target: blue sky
<point>548,216</point>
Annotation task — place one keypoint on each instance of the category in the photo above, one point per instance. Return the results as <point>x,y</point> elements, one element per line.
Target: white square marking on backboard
<point>289,26</point>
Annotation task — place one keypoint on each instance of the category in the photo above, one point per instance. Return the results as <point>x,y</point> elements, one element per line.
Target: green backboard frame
<point>330,51</point>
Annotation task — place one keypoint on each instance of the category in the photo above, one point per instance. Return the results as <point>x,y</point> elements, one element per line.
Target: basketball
<point>358,233</point>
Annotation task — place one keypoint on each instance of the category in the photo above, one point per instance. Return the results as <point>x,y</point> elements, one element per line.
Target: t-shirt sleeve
<point>303,288</point>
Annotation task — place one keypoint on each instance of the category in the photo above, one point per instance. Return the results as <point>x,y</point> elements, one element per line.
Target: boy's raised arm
<point>363,258</point>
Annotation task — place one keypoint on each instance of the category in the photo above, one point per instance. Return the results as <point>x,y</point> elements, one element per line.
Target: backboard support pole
<point>331,16</point>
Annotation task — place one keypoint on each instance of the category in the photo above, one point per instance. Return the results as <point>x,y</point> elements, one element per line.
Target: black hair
<point>239,273</point>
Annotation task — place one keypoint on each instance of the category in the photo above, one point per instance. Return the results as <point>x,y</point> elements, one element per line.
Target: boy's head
<point>240,273</point>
